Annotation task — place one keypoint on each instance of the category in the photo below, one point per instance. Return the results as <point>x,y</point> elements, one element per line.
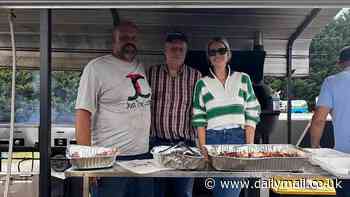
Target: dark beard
<point>128,52</point>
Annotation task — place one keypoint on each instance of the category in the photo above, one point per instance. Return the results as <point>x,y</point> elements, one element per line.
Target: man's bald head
<point>124,26</point>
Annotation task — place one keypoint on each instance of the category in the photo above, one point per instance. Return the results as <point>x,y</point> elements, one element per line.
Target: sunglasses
<point>220,51</point>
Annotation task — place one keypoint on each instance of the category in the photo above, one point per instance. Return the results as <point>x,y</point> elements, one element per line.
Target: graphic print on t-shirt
<point>139,99</point>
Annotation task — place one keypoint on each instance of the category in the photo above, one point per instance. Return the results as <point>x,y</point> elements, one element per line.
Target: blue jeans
<point>345,191</point>
<point>124,186</point>
<point>225,136</point>
<point>177,187</point>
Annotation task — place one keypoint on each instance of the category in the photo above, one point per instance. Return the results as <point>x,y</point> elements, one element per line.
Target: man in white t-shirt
<point>113,107</point>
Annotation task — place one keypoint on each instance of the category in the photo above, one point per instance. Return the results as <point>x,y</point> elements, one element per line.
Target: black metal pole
<point>45,104</point>
<point>309,18</point>
<point>289,104</point>
<point>115,16</point>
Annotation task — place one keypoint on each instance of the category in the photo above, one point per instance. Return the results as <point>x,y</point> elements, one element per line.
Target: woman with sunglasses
<point>225,109</point>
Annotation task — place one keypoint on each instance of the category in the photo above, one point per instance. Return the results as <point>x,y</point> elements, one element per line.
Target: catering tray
<point>175,157</point>
<point>295,161</point>
<point>91,157</point>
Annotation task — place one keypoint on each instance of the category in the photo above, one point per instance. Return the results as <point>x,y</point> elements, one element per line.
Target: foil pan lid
<point>177,150</point>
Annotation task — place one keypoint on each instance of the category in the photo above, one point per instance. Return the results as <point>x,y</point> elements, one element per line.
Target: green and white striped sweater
<point>217,106</point>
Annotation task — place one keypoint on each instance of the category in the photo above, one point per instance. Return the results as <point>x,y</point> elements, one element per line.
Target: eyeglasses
<point>221,51</point>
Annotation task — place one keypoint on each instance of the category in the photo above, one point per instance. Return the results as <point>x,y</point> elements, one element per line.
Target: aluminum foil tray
<point>295,163</point>
<point>91,157</point>
<point>175,157</point>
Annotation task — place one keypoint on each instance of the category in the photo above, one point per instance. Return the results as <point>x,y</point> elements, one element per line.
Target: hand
<point>315,146</point>
<point>204,152</point>
<point>249,134</point>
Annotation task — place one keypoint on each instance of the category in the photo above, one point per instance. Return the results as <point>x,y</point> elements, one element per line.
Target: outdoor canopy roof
<point>175,3</point>
<point>79,35</point>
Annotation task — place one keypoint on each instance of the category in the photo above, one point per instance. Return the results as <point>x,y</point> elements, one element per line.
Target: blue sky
<point>344,10</point>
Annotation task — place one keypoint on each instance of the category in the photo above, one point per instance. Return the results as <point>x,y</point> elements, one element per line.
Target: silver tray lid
<point>174,157</point>
<point>167,150</point>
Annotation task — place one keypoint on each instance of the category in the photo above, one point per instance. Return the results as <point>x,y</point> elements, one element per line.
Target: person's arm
<point>249,134</point>
<point>317,125</point>
<point>83,133</point>
<point>252,112</point>
<point>202,141</point>
<point>199,116</point>
<point>86,104</point>
<point>323,107</point>
<point>83,127</point>
<point>201,136</point>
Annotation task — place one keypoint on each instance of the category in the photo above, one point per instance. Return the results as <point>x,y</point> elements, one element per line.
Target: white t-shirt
<point>118,96</point>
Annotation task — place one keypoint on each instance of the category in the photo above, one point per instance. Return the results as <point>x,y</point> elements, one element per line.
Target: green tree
<point>64,92</point>
<point>324,51</point>
<point>25,95</point>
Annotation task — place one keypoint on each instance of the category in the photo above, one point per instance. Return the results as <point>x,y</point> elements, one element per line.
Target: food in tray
<point>258,154</point>
<point>257,157</point>
<point>79,151</point>
<point>91,157</point>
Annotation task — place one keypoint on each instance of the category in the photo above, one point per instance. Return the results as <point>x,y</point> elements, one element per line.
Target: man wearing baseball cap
<point>334,100</point>
<point>172,84</point>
